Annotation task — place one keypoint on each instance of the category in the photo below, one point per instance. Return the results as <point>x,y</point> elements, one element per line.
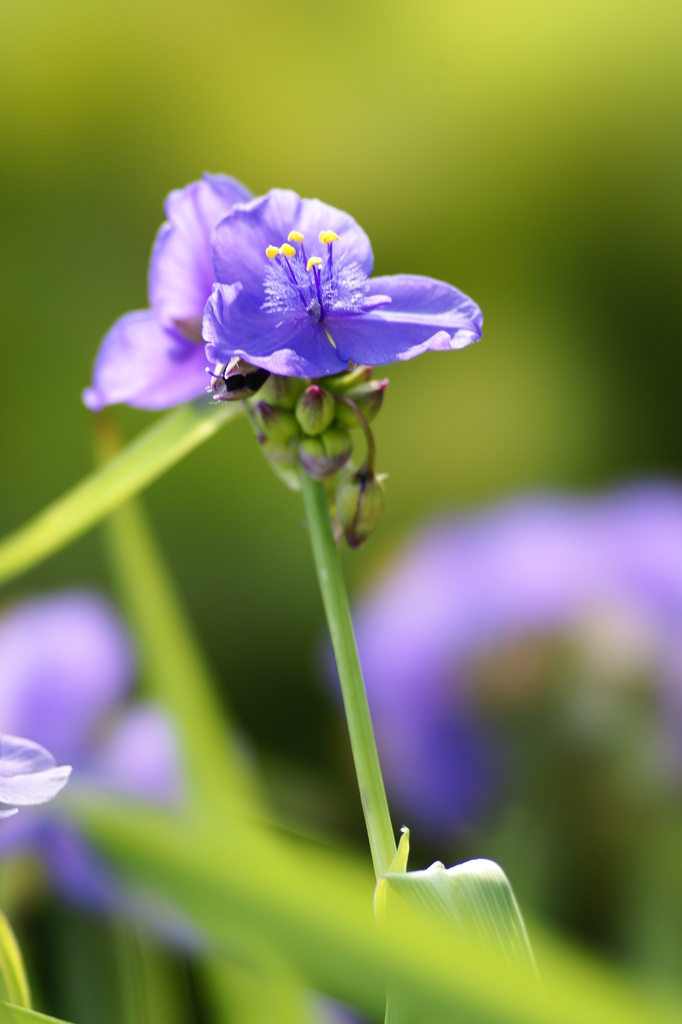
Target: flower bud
<point>283,461</point>
<point>343,382</point>
<point>368,397</point>
<point>236,380</point>
<point>315,410</point>
<point>282,392</point>
<point>277,426</point>
<point>360,502</point>
<point>325,454</point>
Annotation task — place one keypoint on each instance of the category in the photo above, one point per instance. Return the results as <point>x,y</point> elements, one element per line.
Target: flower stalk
<point>335,599</point>
<point>365,427</point>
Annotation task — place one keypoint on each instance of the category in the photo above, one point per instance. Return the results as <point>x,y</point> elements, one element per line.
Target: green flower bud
<point>283,461</point>
<point>325,454</point>
<point>282,392</point>
<point>276,425</point>
<point>360,502</point>
<point>368,397</point>
<point>343,382</point>
<point>315,410</point>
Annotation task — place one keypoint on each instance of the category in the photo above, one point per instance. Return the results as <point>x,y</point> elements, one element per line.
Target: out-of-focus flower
<point>294,295</point>
<point>66,664</point>
<point>154,358</point>
<point>464,621</point>
<point>29,775</point>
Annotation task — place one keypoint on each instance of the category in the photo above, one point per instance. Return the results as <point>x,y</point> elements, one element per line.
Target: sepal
<point>315,410</point>
<point>276,425</point>
<point>326,454</point>
<point>368,397</point>
<point>282,392</point>
<point>360,503</point>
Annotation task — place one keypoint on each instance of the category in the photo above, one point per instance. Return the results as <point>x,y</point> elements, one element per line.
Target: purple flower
<point>605,571</point>
<point>154,358</point>
<point>66,664</point>
<point>29,775</point>
<point>294,294</point>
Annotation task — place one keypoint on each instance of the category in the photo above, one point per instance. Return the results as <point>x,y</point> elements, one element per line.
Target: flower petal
<point>423,314</point>
<point>240,240</point>
<point>141,757</point>
<point>145,365</point>
<point>64,662</point>
<point>292,347</point>
<point>28,773</point>
<point>180,269</point>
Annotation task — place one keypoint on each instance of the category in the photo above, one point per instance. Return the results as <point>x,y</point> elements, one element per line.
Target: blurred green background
<point>527,152</point>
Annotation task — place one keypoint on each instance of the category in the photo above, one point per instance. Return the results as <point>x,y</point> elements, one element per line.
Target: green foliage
<point>149,456</point>
<point>473,902</point>
<point>10,1014</point>
<point>250,888</point>
<point>13,981</point>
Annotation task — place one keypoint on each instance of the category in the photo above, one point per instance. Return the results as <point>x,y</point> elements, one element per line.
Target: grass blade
<point>10,1014</point>
<point>13,981</point>
<point>313,907</point>
<point>144,460</point>
<point>174,668</point>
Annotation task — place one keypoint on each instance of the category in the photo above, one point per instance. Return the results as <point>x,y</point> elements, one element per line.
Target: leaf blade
<point>13,980</point>
<point>142,462</point>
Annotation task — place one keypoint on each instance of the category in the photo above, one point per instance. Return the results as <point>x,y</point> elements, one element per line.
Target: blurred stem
<point>136,466</point>
<point>175,669</point>
<point>335,600</point>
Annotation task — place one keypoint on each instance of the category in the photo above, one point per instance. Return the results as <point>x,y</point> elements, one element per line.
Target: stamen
<point>288,250</point>
<point>294,236</point>
<point>327,237</point>
<point>329,337</point>
<point>314,261</point>
<point>271,252</point>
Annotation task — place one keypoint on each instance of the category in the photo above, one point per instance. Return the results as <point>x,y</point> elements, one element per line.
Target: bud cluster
<point>309,423</point>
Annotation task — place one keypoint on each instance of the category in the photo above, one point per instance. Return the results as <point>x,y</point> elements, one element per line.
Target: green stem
<point>335,600</point>
<point>145,459</point>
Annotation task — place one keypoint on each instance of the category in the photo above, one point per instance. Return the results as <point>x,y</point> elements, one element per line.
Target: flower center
<point>316,285</point>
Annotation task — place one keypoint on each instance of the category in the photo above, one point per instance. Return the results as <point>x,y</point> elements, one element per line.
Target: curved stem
<point>367,430</point>
<point>335,600</point>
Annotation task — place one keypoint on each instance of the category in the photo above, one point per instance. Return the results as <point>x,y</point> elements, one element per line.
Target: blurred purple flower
<point>295,297</point>
<point>66,664</point>
<point>610,565</point>
<point>154,358</point>
<point>29,775</point>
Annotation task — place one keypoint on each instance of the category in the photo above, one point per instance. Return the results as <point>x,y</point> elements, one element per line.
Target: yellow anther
<point>327,237</point>
<point>314,261</point>
<point>271,252</point>
<point>295,236</point>
<point>329,337</point>
<point>287,250</point>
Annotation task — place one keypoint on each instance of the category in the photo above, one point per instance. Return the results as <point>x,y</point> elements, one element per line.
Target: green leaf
<point>174,668</point>
<point>13,981</point>
<point>176,674</point>
<point>399,862</point>
<point>143,461</point>
<point>255,994</point>
<point>313,908</point>
<point>10,1014</point>
<point>154,989</point>
<point>473,901</point>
